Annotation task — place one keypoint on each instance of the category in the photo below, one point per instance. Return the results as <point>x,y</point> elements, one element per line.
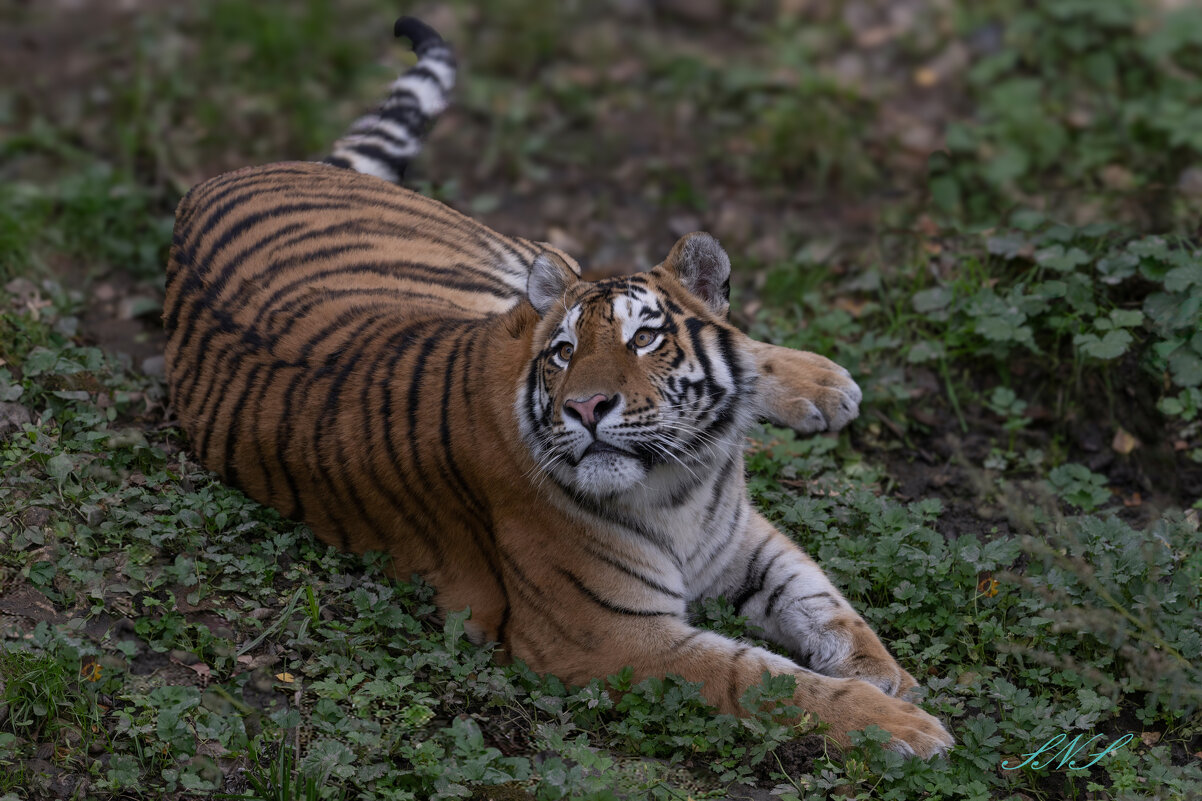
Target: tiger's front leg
<point>587,632</point>
<point>801,390</point>
<point>783,591</point>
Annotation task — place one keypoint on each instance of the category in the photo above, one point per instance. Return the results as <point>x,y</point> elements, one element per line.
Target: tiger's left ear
<point>700,263</point>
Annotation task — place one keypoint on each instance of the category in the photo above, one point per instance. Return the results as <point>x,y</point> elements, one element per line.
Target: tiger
<point>562,457</point>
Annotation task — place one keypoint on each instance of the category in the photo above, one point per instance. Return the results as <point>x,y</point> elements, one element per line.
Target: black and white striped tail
<point>383,142</point>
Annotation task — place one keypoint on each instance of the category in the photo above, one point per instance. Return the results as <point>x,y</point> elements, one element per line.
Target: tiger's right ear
<point>700,263</point>
<point>550,277</point>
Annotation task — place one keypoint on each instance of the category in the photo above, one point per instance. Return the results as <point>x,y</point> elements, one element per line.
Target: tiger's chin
<point>608,473</point>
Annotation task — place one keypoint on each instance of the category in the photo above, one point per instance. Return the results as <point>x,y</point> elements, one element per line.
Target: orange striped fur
<point>563,457</point>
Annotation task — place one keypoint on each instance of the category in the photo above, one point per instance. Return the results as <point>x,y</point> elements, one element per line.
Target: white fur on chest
<point>688,546</point>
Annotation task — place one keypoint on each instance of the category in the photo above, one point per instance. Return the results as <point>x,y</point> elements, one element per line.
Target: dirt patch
<point>25,605</point>
<point>124,317</point>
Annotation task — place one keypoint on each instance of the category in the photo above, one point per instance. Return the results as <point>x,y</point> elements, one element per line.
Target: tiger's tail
<point>384,141</point>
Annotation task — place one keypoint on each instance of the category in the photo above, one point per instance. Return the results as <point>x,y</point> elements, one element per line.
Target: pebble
<point>12,417</point>
<point>1190,181</point>
<point>154,366</point>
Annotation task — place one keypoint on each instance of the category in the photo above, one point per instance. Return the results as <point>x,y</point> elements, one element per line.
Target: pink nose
<point>591,410</point>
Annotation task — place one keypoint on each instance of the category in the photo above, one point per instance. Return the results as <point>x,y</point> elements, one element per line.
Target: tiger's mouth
<point>604,469</point>
<point>598,447</point>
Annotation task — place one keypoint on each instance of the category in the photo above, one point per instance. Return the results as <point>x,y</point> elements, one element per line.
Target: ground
<point>987,211</point>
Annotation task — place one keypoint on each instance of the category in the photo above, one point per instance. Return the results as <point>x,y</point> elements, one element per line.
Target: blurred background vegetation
<point>988,210</point>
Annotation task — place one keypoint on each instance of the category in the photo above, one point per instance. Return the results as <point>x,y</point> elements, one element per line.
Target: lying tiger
<point>563,457</point>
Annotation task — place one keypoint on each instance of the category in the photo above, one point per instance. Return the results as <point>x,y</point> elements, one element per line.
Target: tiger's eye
<point>565,351</point>
<point>643,338</point>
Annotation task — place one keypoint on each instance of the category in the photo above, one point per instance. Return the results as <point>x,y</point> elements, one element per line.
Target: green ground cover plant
<point>1016,512</point>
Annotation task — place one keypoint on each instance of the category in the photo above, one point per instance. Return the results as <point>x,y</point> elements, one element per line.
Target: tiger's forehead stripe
<point>635,311</point>
<point>567,328</point>
<point>628,301</point>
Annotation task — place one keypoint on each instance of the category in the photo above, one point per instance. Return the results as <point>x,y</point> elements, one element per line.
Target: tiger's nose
<point>592,410</point>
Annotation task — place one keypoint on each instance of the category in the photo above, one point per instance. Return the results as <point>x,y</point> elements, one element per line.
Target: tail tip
<point>417,32</point>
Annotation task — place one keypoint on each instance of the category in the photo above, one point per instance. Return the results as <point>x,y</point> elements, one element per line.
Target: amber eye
<point>643,337</point>
<point>565,351</point>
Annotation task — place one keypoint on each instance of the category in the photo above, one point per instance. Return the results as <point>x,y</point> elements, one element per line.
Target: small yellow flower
<point>988,587</point>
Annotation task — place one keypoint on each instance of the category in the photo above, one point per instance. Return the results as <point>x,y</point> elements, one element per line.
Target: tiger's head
<point>635,381</point>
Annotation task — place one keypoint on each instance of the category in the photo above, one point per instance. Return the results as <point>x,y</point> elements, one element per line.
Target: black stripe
<point>608,605</point>
<point>632,525</point>
<point>431,331</point>
<point>525,587</point>
<point>685,640</point>
<point>682,493</point>
<point>395,162</point>
<point>204,195</point>
<point>470,236</point>
<point>362,338</point>
<point>731,534</point>
<point>298,308</point>
<point>631,572</point>
<point>776,593</point>
<point>482,533</point>
<point>707,519</point>
<point>408,116</point>
<point>394,348</point>
<point>209,299</point>
<point>732,681</point>
<point>755,557</point>
<point>452,473</point>
<point>751,590</point>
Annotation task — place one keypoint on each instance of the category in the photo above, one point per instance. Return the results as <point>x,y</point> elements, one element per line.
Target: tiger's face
<point>634,381</point>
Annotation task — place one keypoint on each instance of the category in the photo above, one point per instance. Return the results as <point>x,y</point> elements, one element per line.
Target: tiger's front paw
<point>806,392</point>
<point>914,731</point>
<point>850,649</point>
<point>882,672</point>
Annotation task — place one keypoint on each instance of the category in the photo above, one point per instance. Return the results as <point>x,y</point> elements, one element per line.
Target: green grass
<point>1021,302</point>
<point>46,700</point>
<point>1081,94</point>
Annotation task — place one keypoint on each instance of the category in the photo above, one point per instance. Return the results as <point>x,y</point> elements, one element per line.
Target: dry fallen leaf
<point>1150,737</point>
<point>852,306</point>
<point>202,670</point>
<point>1123,442</point>
<point>873,37</point>
<point>926,77</point>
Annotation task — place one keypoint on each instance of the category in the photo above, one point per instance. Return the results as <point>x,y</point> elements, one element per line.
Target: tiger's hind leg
<point>803,391</point>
